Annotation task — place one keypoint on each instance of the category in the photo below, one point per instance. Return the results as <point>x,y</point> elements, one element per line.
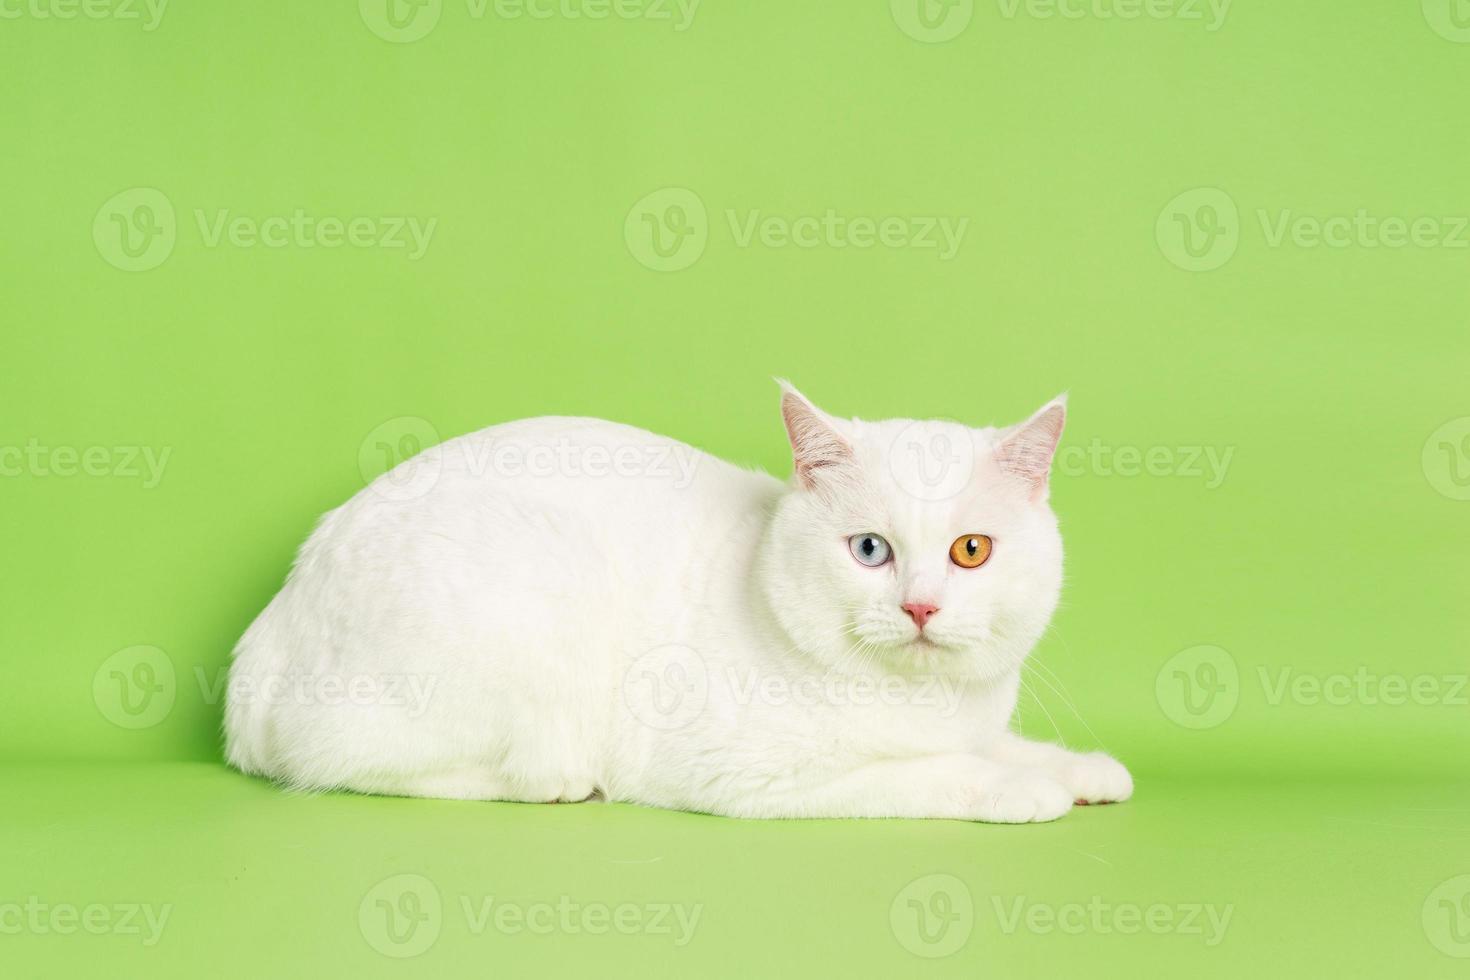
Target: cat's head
<point>920,546</point>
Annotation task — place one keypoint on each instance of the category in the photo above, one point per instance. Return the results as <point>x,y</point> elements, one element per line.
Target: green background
<point>1335,376</point>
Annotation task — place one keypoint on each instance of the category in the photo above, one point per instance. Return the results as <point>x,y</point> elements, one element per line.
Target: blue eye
<point>869,549</point>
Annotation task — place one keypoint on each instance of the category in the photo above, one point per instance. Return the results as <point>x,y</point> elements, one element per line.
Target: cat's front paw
<point>1096,777</point>
<point>1022,796</point>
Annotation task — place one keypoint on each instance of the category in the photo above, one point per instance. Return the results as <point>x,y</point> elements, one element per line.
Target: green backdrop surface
<point>246,247</point>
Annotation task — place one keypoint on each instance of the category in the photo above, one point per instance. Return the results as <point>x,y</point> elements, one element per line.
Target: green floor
<point>1198,878</point>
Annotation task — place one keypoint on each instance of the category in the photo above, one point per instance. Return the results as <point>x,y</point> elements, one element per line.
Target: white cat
<point>559,608</point>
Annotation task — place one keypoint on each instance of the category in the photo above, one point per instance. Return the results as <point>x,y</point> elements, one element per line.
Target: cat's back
<point>561,462</point>
<point>566,509</point>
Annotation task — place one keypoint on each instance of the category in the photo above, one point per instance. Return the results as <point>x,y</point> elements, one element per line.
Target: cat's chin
<point>924,654</point>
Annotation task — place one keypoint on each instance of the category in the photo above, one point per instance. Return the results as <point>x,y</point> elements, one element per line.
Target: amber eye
<point>970,551</point>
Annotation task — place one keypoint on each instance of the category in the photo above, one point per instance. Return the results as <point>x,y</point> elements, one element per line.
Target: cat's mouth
<point>904,642</point>
<point>925,648</point>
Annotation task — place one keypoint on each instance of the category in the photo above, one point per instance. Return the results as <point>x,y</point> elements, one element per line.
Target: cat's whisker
<point>853,652</point>
<point>1062,694</point>
<point>799,646</point>
<point>1066,700</point>
<point>1060,738</point>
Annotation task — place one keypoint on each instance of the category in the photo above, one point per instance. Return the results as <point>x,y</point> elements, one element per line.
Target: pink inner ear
<point>814,443</point>
<point>1028,451</point>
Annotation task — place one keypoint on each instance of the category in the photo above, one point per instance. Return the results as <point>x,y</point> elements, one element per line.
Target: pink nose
<point>920,612</point>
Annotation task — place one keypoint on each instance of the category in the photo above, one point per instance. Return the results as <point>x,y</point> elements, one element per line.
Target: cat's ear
<point>1026,450</point>
<point>815,442</point>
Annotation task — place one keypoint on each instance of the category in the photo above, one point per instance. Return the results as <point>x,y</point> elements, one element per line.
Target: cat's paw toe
<point>1023,797</point>
<point>1096,778</point>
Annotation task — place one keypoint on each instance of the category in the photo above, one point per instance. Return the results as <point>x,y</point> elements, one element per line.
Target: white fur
<point>673,631</point>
